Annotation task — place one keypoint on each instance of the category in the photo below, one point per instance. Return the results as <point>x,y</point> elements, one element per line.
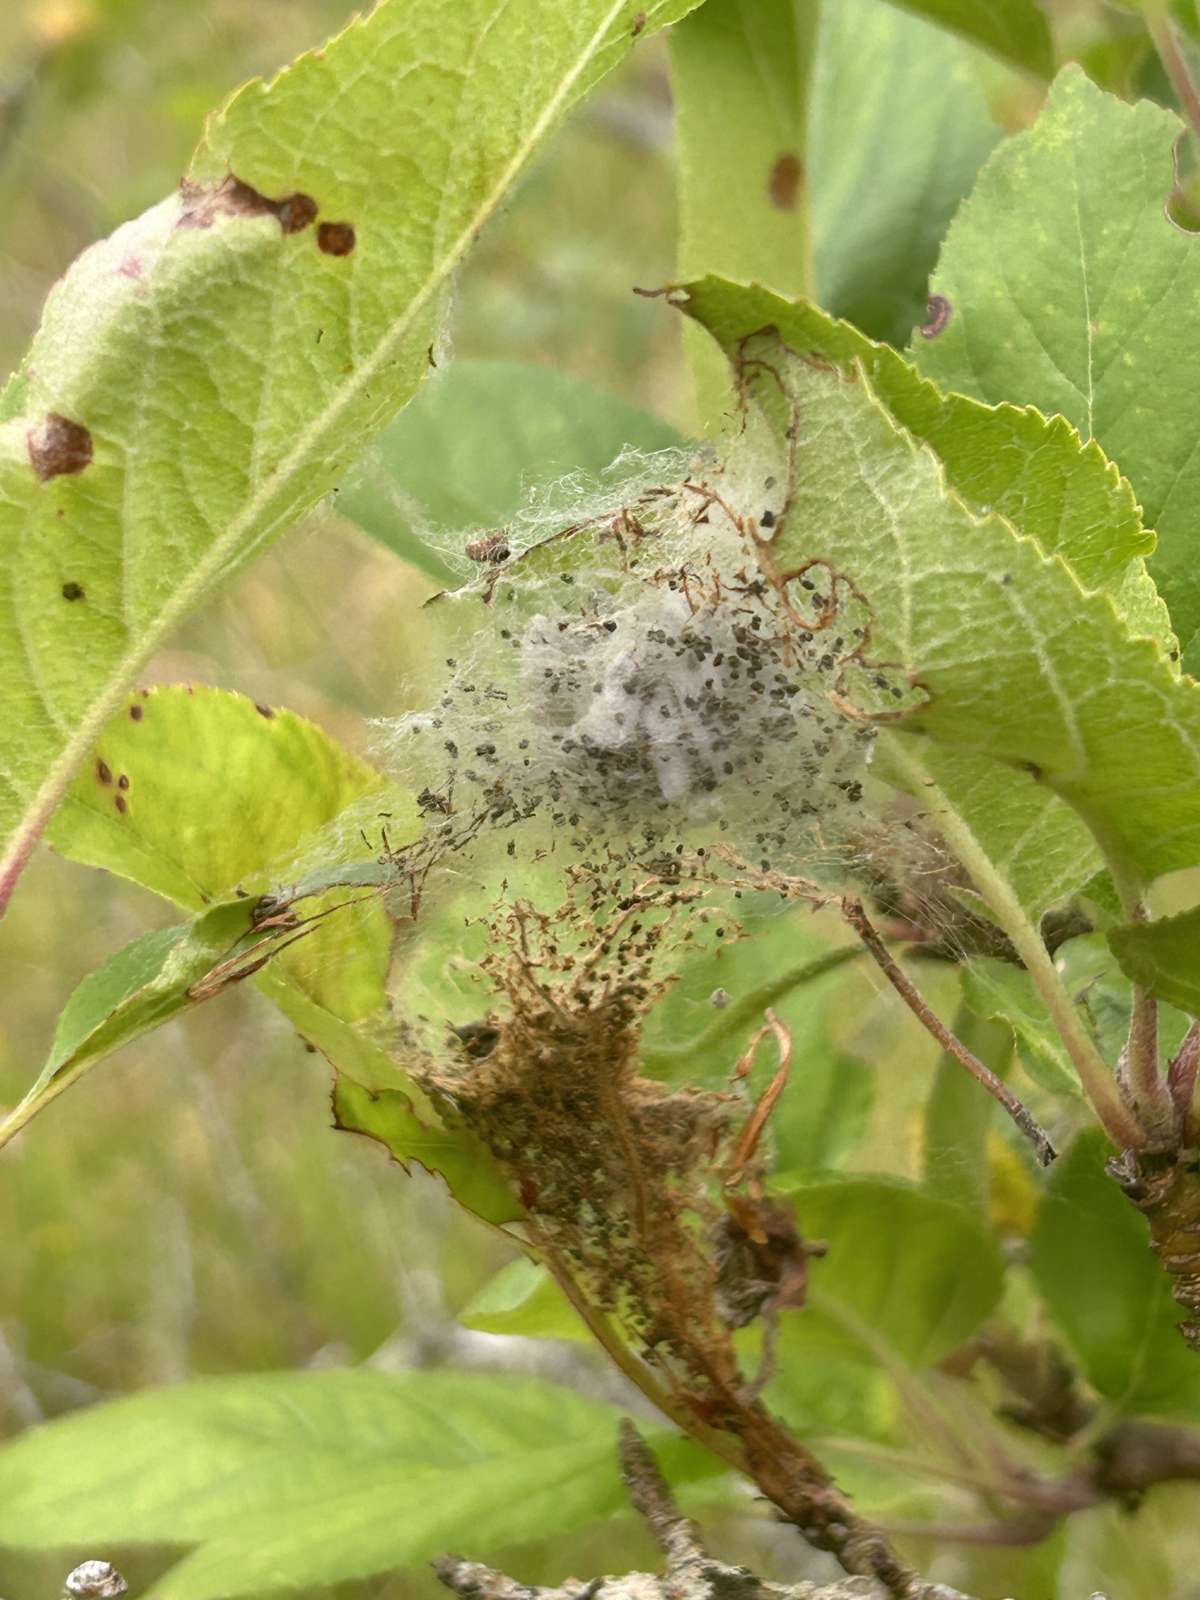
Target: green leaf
<point>335,997</point>
<point>1071,290</point>
<point>191,791</point>
<point>294,339</point>
<point>881,203</point>
<point>290,1480</point>
<point>1037,847</point>
<point>1102,999</point>
<point>1106,994</point>
<point>389,1117</point>
<point>1164,956</point>
<point>740,77</point>
<point>997,991</point>
<point>1037,473</point>
<point>152,980</point>
<point>780,963</point>
<point>1033,672</point>
<point>221,792</point>
<point>523,1298</point>
<point>906,1274</point>
<point>831,1396</point>
<point>1015,30</point>
<point>1144,1551</point>
<point>958,1117</point>
<point>1106,1291</point>
<point>1031,469</point>
<point>480,441</point>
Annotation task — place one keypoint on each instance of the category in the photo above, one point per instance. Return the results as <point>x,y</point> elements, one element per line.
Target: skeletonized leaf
<point>208,372</point>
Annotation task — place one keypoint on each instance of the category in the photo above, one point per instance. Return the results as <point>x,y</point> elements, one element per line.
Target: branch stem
<point>1166,42</point>
<point>758,1446</point>
<point>1097,1082</point>
<point>1181,1083</point>
<point>653,1500</point>
<point>1151,1098</point>
<point>1041,1493</point>
<point>853,911</point>
<point>638,1373</point>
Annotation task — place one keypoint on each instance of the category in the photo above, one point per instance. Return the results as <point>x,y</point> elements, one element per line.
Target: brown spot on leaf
<point>72,591</point>
<point>297,212</point>
<point>58,445</point>
<point>639,22</point>
<point>264,711</point>
<point>335,238</point>
<point>123,781</point>
<point>939,311</point>
<point>103,770</point>
<point>783,185</point>
<point>121,803</point>
<point>203,203</point>
<point>136,713</point>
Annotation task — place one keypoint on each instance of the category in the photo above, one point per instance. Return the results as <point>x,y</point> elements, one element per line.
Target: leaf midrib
<point>44,802</point>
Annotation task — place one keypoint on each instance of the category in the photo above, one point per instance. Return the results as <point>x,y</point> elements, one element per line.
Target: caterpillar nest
<point>635,729</point>
<point>636,685</point>
<point>630,701</point>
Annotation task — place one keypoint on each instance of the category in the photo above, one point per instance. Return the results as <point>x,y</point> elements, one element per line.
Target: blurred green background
<point>187,1209</point>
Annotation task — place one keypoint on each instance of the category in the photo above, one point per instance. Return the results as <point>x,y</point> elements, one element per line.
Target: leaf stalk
<point>1166,42</point>
<point>1097,1082</point>
<point>852,910</point>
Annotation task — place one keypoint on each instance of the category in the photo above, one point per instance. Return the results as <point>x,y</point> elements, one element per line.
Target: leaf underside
<point>1023,659</point>
<point>286,1480</point>
<point>208,372</point>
